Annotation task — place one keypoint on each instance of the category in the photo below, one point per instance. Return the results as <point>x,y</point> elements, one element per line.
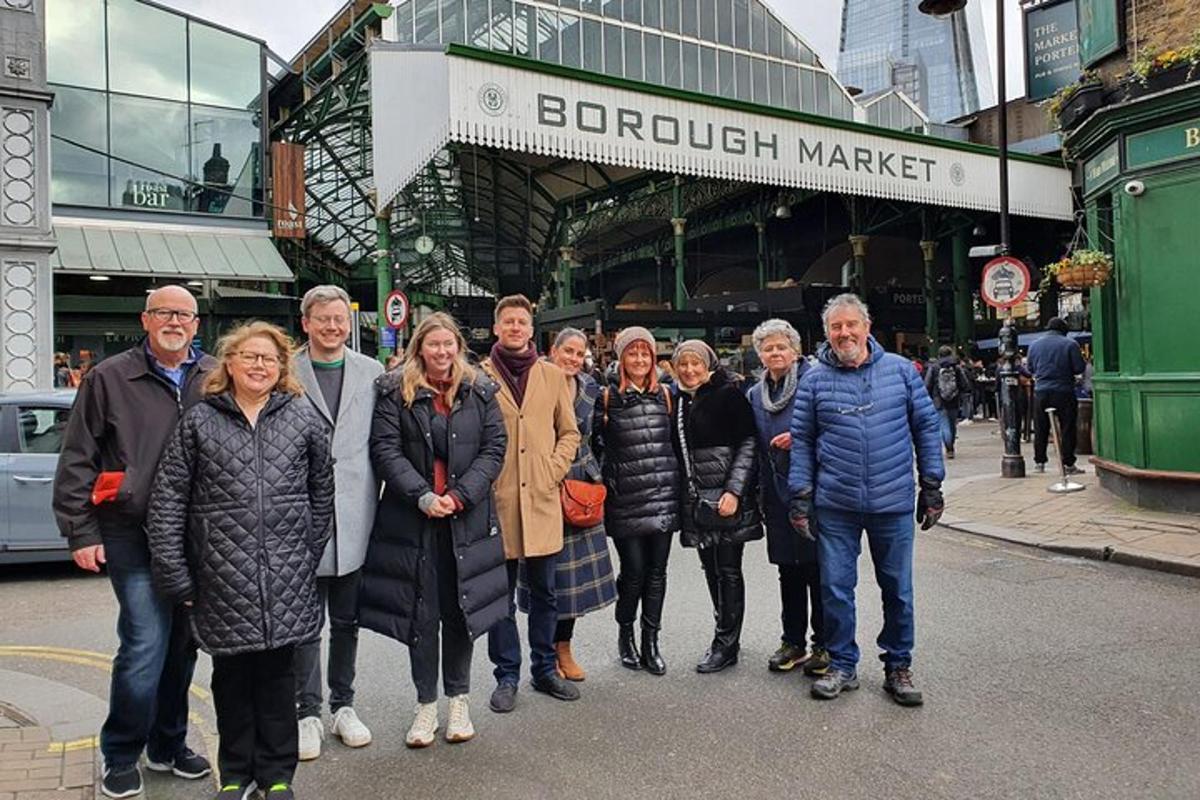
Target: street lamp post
<point>1013,463</point>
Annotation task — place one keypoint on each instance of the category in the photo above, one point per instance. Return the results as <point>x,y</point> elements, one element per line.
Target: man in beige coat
<point>539,417</point>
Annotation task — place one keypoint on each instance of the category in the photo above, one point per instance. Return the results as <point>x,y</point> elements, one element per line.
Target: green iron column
<point>858,247</point>
<point>678,224</point>
<point>964,311</point>
<point>928,250</point>
<point>565,256</point>
<point>761,227</point>
<point>383,272</point>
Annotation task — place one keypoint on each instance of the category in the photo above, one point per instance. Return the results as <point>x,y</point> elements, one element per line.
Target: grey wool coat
<point>357,486</point>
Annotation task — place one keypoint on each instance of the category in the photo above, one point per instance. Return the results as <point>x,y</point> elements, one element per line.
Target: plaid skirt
<point>583,574</point>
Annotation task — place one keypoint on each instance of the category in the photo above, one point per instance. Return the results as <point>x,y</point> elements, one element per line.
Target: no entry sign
<point>1005,282</point>
<point>395,309</point>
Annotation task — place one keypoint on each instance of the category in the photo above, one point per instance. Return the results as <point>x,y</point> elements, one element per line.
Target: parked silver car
<point>31,433</point>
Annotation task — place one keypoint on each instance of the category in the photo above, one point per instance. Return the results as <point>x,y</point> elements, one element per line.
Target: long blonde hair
<point>412,373</point>
<point>220,381</point>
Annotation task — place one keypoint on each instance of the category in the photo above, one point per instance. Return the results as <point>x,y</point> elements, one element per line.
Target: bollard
<point>1062,485</point>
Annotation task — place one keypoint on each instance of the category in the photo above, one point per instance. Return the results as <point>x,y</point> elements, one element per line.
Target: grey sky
<point>286,24</point>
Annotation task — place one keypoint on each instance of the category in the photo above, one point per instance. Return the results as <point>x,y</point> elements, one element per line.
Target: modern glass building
<point>738,49</point>
<point>940,63</point>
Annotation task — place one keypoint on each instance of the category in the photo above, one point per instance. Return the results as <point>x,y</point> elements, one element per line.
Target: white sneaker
<point>349,728</point>
<point>311,734</point>
<point>459,728</point>
<point>425,726</point>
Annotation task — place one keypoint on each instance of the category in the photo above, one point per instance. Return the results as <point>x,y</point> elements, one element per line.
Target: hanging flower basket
<point>1083,269</point>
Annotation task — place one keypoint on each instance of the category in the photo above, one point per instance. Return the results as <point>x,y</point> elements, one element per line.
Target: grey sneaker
<point>186,764</point>
<point>124,782</point>
<point>898,683</point>
<point>555,686</point>
<point>1074,470</point>
<point>833,683</point>
<point>504,698</point>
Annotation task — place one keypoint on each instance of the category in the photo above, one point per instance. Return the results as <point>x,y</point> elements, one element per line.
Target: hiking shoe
<point>349,728</point>
<point>186,764</point>
<point>555,687</point>
<point>833,683</point>
<point>898,683</point>
<point>125,782</point>
<point>459,728</point>
<point>236,791</point>
<point>312,731</point>
<point>280,791</point>
<point>424,727</point>
<point>818,662</point>
<point>787,657</point>
<point>504,698</point>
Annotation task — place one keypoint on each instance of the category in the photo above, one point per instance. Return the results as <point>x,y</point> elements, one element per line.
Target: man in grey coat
<point>340,383</point>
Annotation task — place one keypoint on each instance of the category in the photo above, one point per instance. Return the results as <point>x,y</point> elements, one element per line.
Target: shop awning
<point>423,100</point>
<point>106,247</point>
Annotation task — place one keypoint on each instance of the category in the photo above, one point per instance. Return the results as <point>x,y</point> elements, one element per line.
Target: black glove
<point>799,512</point>
<point>930,504</point>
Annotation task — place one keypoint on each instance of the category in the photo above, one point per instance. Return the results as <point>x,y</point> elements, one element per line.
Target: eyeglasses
<point>165,314</point>
<point>338,320</point>
<point>250,359</point>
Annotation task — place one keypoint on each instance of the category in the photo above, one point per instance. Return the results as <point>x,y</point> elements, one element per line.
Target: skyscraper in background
<point>941,64</point>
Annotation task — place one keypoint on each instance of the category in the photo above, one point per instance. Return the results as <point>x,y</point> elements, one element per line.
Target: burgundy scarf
<point>514,368</point>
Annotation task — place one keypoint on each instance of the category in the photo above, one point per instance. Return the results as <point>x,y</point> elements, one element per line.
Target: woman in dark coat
<point>436,559</point>
<point>239,515</point>
<point>772,398</point>
<point>632,438</point>
<point>583,571</point>
<point>713,429</point>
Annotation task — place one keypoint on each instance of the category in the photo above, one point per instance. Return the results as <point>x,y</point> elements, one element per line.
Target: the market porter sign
<point>487,100</point>
<point>1051,48</point>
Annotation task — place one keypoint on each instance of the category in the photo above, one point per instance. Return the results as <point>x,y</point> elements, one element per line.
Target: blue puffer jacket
<point>856,428</point>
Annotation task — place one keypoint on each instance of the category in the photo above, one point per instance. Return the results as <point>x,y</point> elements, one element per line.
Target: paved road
<point>1045,676</point>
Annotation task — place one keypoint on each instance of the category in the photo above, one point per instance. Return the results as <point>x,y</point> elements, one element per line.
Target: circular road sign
<point>1005,282</point>
<point>395,309</point>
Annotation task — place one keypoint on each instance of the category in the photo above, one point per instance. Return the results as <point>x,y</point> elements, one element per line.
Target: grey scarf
<point>785,396</point>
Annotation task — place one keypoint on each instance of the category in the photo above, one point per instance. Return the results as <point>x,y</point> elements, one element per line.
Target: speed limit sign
<point>395,309</point>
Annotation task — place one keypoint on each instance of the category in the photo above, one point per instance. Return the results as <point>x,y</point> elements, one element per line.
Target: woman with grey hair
<point>778,345</point>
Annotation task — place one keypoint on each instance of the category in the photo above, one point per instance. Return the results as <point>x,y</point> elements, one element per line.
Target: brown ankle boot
<point>566,662</point>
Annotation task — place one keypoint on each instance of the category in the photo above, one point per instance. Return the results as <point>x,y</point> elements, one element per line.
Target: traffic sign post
<point>396,309</point>
<point>1004,284</point>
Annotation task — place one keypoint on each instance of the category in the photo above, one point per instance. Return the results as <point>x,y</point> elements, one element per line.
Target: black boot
<point>731,607</point>
<point>652,659</point>
<point>627,647</point>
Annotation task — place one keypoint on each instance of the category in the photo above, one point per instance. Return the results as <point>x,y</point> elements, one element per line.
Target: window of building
<point>776,73</point>
<point>591,6</point>
<point>225,158</point>
<point>404,22</point>
<point>742,64</point>
<point>670,9</point>
<point>654,67</point>
<point>75,43</point>
<point>453,21</point>
<point>632,11</point>
<point>741,24</point>
<point>823,95</point>
<point>502,26</point>
<point>478,29</point>
<point>672,69</point>
<point>758,27</point>
<point>613,59</point>
<point>151,153</point>
<point>725,22</point>
<point>633,54</point>
<point>691,67</point>
<point>725,77</point>
<point>571,28</point>
<point>612,8</point>
<point>791,46</point>
<point>427,22</point>
<point>593,52</point>
<point>762,90</point>
<point>79,119</point>
<point>774,36</point>
<point>572,4</point>
<point>708,70</point>
<point>147,50</point>
<point>225,68</point>
<point>791,87</point>
<point>708,20</point>
<point>689,18</point>
<point>808,91</point>
<point>652,13</point>
<point>547,36</point>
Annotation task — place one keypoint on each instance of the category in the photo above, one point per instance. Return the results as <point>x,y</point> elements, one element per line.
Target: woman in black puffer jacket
<point>632,438</point>
<point>714,433</point>
<point>239,515</point>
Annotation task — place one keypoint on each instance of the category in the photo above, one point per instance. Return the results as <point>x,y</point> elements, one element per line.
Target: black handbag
<point>702,503</point>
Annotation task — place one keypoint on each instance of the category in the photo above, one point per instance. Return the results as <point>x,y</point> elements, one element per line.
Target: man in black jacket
<point>949,386</point>
<point>1055,360</point>
<point>125,412</point>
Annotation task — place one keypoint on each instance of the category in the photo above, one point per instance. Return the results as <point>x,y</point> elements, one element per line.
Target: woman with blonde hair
<point>240,512</point>
<point>434,576</point>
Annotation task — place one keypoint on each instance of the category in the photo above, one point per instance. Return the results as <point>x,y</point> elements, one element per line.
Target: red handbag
<point>583,503</point>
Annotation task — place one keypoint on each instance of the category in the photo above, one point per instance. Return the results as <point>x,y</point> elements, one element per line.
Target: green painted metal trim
<point>529,65</point>
<point>1147,112</point>
<point>1146,149</point>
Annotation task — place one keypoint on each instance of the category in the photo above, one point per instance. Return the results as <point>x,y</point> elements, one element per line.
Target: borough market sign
<point>499,101</point>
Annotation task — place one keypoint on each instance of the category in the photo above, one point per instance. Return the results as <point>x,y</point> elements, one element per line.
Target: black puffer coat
<point>632,439</point>
<point>238,519</point>
<point>718,425</point>
<point>399,593</point>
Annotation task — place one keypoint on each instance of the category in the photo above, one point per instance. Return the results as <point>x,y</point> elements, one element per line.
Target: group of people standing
<point>235,500</point>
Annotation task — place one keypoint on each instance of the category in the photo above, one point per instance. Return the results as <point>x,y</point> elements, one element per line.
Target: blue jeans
<point>504,643</point>
<point>156,655</point>
<point>839,542</point>
<point>949,417</point>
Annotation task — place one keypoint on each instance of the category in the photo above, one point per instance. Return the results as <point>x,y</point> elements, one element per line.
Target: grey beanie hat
<point>634,333</point>
<point>698,348</point>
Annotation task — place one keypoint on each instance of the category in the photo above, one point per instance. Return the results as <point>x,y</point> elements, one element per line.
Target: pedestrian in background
<point>714,432</point>
<point>583,575</point>
<point>538,405</point>
<point>949,386</point>
<point>1055,360</point>
<point>340,384</point>
<point>858,416</point>
<point>632,439</point>
<point>772,400</point>
<point>124,413</point>
<point>239,516</point>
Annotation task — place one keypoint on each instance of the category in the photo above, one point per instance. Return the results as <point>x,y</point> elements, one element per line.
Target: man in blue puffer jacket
<point>858,416</point>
